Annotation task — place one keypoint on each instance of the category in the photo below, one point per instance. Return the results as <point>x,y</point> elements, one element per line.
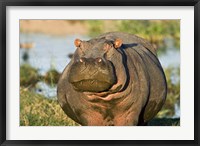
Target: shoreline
<point>54,27</point>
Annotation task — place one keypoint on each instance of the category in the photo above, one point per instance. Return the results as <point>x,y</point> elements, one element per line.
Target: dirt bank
<point>54,27</point>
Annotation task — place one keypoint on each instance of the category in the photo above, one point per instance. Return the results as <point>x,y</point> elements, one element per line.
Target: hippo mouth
<point>92,75</point>
<point>91,85</point>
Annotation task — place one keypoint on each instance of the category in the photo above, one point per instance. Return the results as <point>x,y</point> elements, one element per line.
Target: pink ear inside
<point>117,43</point>
<point>77,42</point>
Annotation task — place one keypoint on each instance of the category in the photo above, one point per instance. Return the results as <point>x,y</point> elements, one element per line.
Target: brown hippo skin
<point>112,80</point>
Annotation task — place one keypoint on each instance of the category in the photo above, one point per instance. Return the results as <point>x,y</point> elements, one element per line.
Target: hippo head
<point>92,69</point>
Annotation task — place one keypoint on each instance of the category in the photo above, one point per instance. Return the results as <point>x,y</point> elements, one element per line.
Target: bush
<point>28,75</point>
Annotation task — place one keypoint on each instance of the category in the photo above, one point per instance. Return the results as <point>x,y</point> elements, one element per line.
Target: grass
<point>36,110</point>
<point>28,75</point>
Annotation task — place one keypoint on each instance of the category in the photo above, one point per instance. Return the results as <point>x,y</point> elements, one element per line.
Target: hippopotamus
<point>114,79</point>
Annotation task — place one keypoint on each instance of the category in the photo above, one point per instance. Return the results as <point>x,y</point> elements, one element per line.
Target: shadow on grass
<point>164,122</point>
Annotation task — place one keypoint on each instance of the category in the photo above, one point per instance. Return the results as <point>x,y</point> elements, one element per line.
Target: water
<point>170,58</point>
<point>49,51</point>
<point>172,55</point>
<point>52,52</point>
<point>46,90</point>
<point>177,110</point>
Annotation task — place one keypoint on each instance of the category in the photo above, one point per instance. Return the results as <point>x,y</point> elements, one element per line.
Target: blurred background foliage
<point>47,45</point>
<point>155,31</point>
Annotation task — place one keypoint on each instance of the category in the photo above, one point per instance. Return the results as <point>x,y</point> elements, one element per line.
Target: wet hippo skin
<point>112,80</point>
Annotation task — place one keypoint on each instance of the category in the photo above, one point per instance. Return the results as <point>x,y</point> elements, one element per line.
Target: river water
<point>52,52</point>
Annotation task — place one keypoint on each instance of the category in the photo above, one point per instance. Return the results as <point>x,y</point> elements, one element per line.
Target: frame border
<point>5,3</point>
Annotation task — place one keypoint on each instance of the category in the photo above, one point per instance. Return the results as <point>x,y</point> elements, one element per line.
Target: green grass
<point>36,110</point>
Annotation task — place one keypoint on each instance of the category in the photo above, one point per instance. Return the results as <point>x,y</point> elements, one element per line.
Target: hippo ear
<point>117,43</point>
<point>77,42</point>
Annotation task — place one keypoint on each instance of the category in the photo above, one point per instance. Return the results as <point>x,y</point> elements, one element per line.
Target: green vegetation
<point>28,76</point>
<point>36,110</point>
<point>173,92</point>
<point>52,77</point>
<point>95,27</point>
<point>155,31</point>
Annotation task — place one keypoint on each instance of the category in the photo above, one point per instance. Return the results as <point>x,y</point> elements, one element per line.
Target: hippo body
<point>112,80</point>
